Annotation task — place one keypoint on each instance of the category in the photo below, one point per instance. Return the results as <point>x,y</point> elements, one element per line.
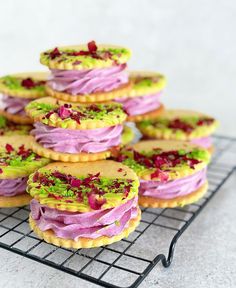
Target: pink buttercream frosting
<point>14,105</point>
<point>82,82</point>
<point>13,187</point>
<point>77,141</point>
<point>174,188</point>
<point>140,105</point>
<point>75,225</point>
<point>205,142</point>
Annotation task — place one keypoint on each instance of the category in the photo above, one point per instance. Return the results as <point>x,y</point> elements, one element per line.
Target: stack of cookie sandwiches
<point>91,202</point>
<point>75,124</point>
<point>76,116</point>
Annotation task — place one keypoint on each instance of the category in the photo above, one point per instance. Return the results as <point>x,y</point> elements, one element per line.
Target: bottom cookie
<point>67,157</point>
<point>18,119</point>
<point>51,238</point>
<point>15,201</point>
<point>152,202</point>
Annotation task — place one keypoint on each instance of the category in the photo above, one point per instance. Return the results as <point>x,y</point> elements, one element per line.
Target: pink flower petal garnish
<point>64,112</point>
<point>95,202</point>
<point>92,47</point>
<point>9,148</point>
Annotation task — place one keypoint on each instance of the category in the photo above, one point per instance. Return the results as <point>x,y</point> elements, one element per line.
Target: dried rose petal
<point>24,153</point>
<point>79,53</point>
<point>67,105</point>
<point>49,114</point>
<point>95,202</point>
<point>43,179</point>
<point>94,108</point>
<point>36,176</point>
<point>127,190</point>
<point>76,117</point>
<point>28,83</point>
<point>55,53</point>
<point>193,162</point>
<point>142,159</point>
<point>121,158</point>
<point>178,124</point>
<point>79,196</point>
<point>75,183</point>
<point>9,148</point>
<point>205,121</point>
<point>159,161</point>
<point>160,174</point>
<point>63,112</point>
<point>92,47</point>
<point>60,175</point>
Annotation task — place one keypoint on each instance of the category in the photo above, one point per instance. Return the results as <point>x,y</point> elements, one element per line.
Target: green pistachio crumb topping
<point>93,191</point>
<point>111,113</point>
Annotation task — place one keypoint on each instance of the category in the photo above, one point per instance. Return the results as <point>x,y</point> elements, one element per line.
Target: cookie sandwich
<point>182,125</point>
<point>87,73</point>
<point>17,162</point>
<point>75,132</point>
<point>84,205</point>
<point>171,173</point>
<point>17,90</point>
<point>143,99</point>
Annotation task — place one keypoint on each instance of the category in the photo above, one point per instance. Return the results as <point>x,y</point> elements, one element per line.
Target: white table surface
<point>205,255</point>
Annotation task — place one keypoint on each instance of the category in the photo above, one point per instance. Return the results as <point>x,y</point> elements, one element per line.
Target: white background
<point>191,41</point>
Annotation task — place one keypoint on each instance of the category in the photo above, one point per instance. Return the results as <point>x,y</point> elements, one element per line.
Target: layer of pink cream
<point>73,225</point>
<point>14,105</point>
<point>205,142</point>
<point>13,187</point>
<point>140,105</point>
<point>174,188</point>
<point>82,82</point>
<point>77,141</point>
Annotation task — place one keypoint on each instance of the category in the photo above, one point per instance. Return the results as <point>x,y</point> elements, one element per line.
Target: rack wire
<point>128,262</point>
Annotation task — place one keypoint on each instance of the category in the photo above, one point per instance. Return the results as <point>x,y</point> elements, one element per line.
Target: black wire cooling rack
<point>128,262</point>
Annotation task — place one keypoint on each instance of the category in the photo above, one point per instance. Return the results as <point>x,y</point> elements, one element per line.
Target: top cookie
<point>83,187</point>
<point>56,113</point>
<point>24,85</point>
<point>179,125</point>
<point>16,159</point>
<point>146,83</point>
<point>164,160</point>
<point>87,56</point>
